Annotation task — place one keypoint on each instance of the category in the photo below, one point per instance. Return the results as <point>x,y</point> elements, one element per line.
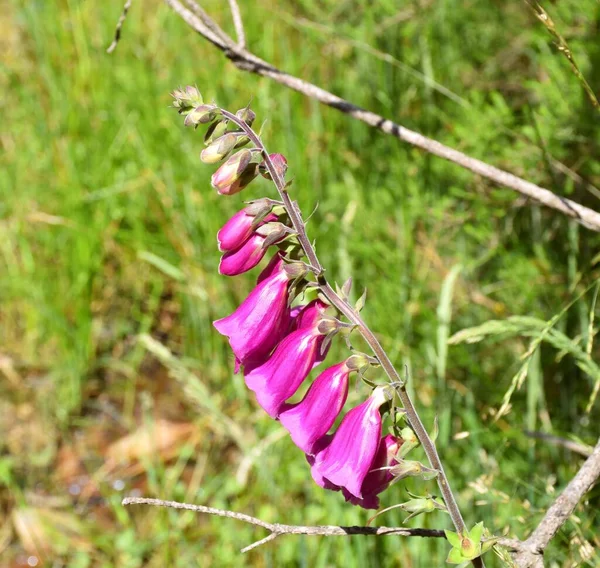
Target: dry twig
<point>530,552</point>
<point>119,27</point>
<point>277,529</point>
<point>247,61</point>
<point>578,448</point>
<point>238,24</point>
<point>527,554</point>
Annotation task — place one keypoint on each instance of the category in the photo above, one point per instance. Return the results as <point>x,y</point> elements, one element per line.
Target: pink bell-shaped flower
<point>244,258</point>
<point>262,319</point>
<point>320,445</point>
<point>379,478</point>
<point>312,417</point>
<point>347,459</point>
<point>233,234</point>
<point>279,377</point>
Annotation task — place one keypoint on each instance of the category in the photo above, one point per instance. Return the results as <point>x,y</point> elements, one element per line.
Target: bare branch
<point>209,22</point>
<point>237,22</point>
<point>120,23</point>
<point>247,61</point>
<point>277,529</point>
<point>531,551</point>
<point>578,448</point>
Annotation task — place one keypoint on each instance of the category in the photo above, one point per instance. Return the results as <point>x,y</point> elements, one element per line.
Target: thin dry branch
<point>238,24</point>
<point>577,447</point>
<point>209,22</point>
<point>531,551</point>
<point>277,529</point>
<point>247,61</point>
<point>119,27</point>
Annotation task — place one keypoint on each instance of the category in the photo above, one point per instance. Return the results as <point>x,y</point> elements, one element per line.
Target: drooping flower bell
<point>244,258</point>
<point>280,376</point>
<point>311,418</point>
<point>347,459</point>
<point>262,319</point>
<point>239,228</point>
<point>252,240</point>
<point>380,476</point>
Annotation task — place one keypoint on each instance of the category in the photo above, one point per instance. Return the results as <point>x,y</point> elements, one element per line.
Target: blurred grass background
<point>113,381</point>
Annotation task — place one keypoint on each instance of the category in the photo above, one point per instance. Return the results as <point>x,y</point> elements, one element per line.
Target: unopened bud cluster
<point>278,335</point>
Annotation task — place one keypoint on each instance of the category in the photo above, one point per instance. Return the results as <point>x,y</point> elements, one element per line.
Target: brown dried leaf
<point>161,438</point>
<point>31,531</point>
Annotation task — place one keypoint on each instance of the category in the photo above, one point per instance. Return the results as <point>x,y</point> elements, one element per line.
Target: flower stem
<point>349,312</point>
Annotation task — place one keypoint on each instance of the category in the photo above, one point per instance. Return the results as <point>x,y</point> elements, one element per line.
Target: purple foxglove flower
<point>348,458</point>
<point>261,320</point>
<point>312,417</point>
<point>245,258</point>
<point>239,229</point>
<point>379,478</point>
<point>279,377</point>
<point>320,445</point>
<point>273,266</point>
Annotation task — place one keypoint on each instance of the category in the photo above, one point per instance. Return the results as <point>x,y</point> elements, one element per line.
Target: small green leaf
<point>453,538</point>
<point>436,430</point>
<point>488,543</point>
<point>163,265</point>
<point>455,557</point>
<point>360,303</point>
<point>476,532</point>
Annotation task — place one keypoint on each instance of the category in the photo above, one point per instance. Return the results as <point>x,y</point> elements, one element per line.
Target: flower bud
<point>247,115</point>
<point>357,362</point>
<point>328,325</point>
<point>202,114</point>
<point>216,130</point>
<point>406,468</point>
<point>186,99</point>
<point>280,164</point>
<point>259,207</point>
<point>218,149</point>
<point>242,140</point>
<point>235,174</point>
<point>273,231</point>
<point>295,270</point>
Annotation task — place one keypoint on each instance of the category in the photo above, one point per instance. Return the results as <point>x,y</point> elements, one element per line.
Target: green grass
<point>107,235</point>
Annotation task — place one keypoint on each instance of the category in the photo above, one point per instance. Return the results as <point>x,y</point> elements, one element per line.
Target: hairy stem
<point>349,312</point>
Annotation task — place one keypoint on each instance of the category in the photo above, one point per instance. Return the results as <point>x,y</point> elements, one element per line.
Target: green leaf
<point>161,264</point>
<point>436,430</point>
<point>455,556</point>
<point>476,533</point>
<point>453,538</point>
<point>488,543</point>
<point>360,303</point>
